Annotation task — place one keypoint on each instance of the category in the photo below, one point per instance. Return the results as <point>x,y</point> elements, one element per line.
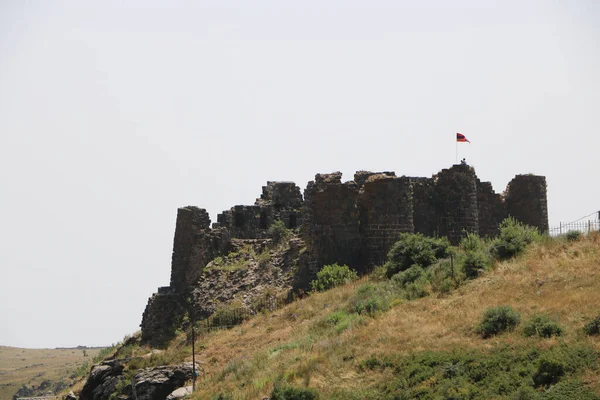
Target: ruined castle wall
<point>425,218</point>
<point>491,209</point>
<point>163,314</point>
<point>386,210</point>
<point>245,222</point>
<point>456,202</point>
<point>527,202</point>
<point>191,222</point>
<point>331,221</point>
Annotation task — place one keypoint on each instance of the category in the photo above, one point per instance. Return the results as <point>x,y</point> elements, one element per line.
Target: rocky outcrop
<point>102,381</point>
<point>154,383</point>
<point>159,382</point>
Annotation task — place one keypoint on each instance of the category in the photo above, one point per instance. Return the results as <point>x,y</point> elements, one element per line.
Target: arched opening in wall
<point>239,220</point>
<point>263,220</point>
<point>293,221</point>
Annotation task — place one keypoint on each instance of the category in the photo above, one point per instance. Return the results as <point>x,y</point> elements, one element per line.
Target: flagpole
<point>456,144</point>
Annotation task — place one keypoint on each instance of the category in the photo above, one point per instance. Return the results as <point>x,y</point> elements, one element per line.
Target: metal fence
<point>230,317</point>
<point>580,226</point>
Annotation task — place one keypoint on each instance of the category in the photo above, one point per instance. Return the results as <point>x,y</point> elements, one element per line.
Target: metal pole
<point>193,351</point>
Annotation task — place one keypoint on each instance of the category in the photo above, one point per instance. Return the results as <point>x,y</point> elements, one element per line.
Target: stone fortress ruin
<point>353,223</point>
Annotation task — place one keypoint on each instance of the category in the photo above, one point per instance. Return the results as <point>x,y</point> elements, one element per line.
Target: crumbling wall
<point>194,245</point>
<point>279,201</point>
<point>331,221</point>
<point>425,217</point>
<point>456,202</point>
<point>491,209</point>
<point>386,210</point>
<point>163,314</point>
<point>353,223</point>
<point>527,202</point>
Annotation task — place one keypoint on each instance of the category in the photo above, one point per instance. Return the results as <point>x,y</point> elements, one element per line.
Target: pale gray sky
<point>115,113</point>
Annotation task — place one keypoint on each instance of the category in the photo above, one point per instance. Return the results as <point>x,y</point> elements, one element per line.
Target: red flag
<point>461,138</point>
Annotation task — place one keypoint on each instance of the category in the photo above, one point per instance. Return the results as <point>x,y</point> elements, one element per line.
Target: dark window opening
<point>293,222</point>
<point>239,220</point>
<point>263,220</point>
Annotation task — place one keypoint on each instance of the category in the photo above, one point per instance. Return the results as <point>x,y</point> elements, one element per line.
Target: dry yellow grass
<point>32,366</point>
<point>559,278</point>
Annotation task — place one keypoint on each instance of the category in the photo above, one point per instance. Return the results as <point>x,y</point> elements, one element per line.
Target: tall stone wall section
<point>526,200</point>
<point>425,217</point>
<point>386,210</point>
<point>491,209</point>
<point>456,202</point>
<point>331,222</point>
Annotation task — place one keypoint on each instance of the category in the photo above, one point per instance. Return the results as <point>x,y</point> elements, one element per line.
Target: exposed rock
<point>102,380</point>
<point>71,396</point>
<point>159,382</point>
<point>180,393</point>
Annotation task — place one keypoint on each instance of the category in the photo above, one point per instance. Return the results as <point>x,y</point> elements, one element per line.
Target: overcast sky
<point>115,113</point>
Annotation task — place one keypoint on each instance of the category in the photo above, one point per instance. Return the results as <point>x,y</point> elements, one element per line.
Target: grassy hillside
<point>370,340</point>
<point>33,367</point>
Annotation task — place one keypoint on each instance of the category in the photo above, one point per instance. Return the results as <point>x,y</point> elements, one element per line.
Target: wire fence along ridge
<point>579,225</point>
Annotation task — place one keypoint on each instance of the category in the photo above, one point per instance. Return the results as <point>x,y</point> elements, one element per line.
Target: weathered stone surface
<point>386,210</point>
<point>331,221</point>
<point>102,381</point>
<point>264,268</point>
<point>491,209</point>
<point>158,382</point>
<point>71,396</point>
<point>526,200</point>
<point>194,245</point>
<point>456,202</point>
<point>163,314</point>
<point>180,393</point>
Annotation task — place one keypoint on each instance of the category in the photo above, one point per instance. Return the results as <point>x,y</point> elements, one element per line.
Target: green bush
<point>541,325</point>
<point>278,232</point>
<point>569,390</point>
<point>408,276</point>
<point>281,392</point>
<point>496,320</point>
<point>331,276</point>
<point>413,249</point>
<point>592,328</point>
<point>513,239</point>
<point>476,257</point>
<point>550,369</point>
<point>573,236</point>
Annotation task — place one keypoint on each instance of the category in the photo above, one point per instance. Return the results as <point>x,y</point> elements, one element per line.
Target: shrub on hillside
<point>549,371</point>
<point>476,256</point>
<point>413,249</point>
<point>281,392</point>
<point>278,232</point>
<point>408,276</point>
<point>514,237</point>
<point>541,325</point>
<point>592,328</point>
<point>331,276</point>
<point>496,320</point>
<point>573,236</point>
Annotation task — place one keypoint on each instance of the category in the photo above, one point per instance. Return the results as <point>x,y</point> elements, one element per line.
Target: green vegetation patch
<point>541,325</point>
<point>496,320</point>
<point>331,276</point>
<point>515,373</point>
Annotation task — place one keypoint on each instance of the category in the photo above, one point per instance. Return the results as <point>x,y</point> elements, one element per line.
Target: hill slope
<point>43,369</point>
<point>299,345</point>
<point>347,344</point>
